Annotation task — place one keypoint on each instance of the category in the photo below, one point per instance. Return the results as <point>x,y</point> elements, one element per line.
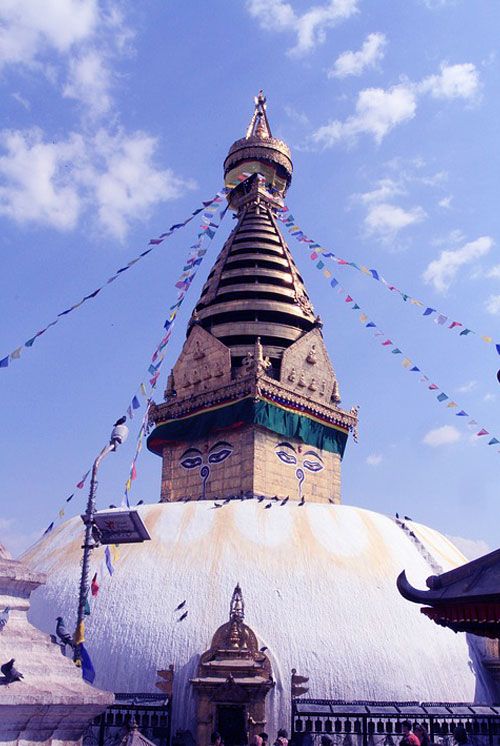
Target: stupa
<point>251,435</point>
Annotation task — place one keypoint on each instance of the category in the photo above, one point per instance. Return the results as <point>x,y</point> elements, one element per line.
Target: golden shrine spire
<point>259,124</point>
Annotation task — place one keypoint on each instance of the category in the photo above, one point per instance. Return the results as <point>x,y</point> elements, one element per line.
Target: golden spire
<point>259,123</point>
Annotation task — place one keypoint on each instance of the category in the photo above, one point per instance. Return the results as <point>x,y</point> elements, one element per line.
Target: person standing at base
<point>422,735</point>
<point>409,737</point>
<point>265,738</point>
<point>216,739</point>
<point>282,739</point>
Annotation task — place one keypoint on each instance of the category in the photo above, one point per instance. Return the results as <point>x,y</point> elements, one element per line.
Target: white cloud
<point>384,189</point>
<point>354,63</point>
<point>489,397</point>
<point>310,27</point>
<point>129,183</point>
<point>445,202</point>
<point>296,116</point>
<point>387,220</point>
<point>89,81</point>
<point>378,111</point>
<point>454,81</point>
<point>442,436</point>
<point>28,29</point>
<point>466,387</point>
<point>374,459</point>
<point>36,182</point>
<point>493,272</point>
<point>470,548</point>
<point>53,183</point>
<point>492,305</point>
<point>21,100</point>
<point>442,271</point>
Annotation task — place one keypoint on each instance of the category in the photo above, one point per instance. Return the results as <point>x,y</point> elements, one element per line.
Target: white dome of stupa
<point>319,584</point>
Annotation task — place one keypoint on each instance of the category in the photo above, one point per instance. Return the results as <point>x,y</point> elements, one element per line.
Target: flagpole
<point>118,435</point>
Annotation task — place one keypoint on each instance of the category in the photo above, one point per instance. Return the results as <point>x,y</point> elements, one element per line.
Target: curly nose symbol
<point>300,477</point>
<point>204,474</point>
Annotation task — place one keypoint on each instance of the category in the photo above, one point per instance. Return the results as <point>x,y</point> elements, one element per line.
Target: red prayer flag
<point>133,473</point>
<point>94,586</point>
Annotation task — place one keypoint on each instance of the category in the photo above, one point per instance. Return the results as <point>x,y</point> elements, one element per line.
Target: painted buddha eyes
<point>219,453</point>
<point>312,461</point>
<point>191,458</point>
<point>286,457</point>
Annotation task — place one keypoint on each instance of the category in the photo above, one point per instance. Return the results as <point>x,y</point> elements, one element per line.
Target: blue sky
<point>116,118</point>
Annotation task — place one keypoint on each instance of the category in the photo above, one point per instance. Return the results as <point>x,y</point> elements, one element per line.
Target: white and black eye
<point>286,457</point>
<point>191,462</point>
<point>312,465</point>
<point>218,456</point>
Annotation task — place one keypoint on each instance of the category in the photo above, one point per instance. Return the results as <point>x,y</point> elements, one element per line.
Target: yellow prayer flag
<point>406,362</point>
<point>61,513</point>
<point>452,404</point>
<point>487,339</point>
<point>365,270</point>
<point>16,354</point>
<point>128,485</point>
<point>143,390</point>
<point>80,634</point>
<point>115,552</point>
<point>363,317</point>
<point>416,302</point>
<point>327,273</point>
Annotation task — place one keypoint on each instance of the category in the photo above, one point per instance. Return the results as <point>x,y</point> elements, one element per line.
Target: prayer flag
<point>348,299</point>
<point>136,403</point>
<point>414,369</point>
<point>49,528</point>
<point>109,564</point>
<point>370,324</point>
<point>143,390</point>
<point>86,608</point>
<point>29,343</point>
<point>375,274</point>
<point>16,354</point>
<point>130,413</point>
<point>82,481</point>
<point>464,332</point>
<point>70,497</point>
<point>61,513</point>
<point>498,348</point>
<point>94,586</point>
<point>452,405</point>
<point>335,282</point>
<point>355,307</point>
<point>454,324</point>
<point>396,351</point>
<point>133,473</point>
<point>80,633</point>
<point>406,362</point>
<point>487,339</point>
<point>387,342</point>
<point>441,319</point>
<point>433,387</point>
<point>88,671</point>
<point>442,397</point>
<point>483,432</point>
<point>462,413</point>
<point>4,362</point>
<point>320,265</point>
<point>428,311</point>
<point>493,441</point>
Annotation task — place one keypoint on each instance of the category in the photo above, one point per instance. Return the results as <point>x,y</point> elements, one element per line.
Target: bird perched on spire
<point>11,673</point>
<point>121,421</point>
<point>62,634</point>
<point>4,618</point>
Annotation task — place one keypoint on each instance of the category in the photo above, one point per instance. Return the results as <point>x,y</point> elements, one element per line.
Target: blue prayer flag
<point>109,564</point>
<point>442,397</point>
<point>4,362</point>
<point>136,403</point>
<point>88,671</point>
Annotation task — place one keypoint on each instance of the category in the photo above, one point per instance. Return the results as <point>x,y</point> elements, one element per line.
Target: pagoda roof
<point>466,599</point>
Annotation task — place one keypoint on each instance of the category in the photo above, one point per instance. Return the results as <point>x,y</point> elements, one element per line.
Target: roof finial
<point>259,124</point>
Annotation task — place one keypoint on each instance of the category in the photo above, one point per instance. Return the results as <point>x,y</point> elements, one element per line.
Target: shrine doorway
<point>231,724</point>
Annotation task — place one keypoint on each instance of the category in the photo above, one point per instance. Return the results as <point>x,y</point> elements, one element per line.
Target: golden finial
<point>259,124</point>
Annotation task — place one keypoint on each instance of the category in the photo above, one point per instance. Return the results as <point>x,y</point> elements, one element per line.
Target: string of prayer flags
<point>406,362</point>
<point>153,242</point>
<point>193,262</point>
<point>439,318</point>
<point>80,485</point>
